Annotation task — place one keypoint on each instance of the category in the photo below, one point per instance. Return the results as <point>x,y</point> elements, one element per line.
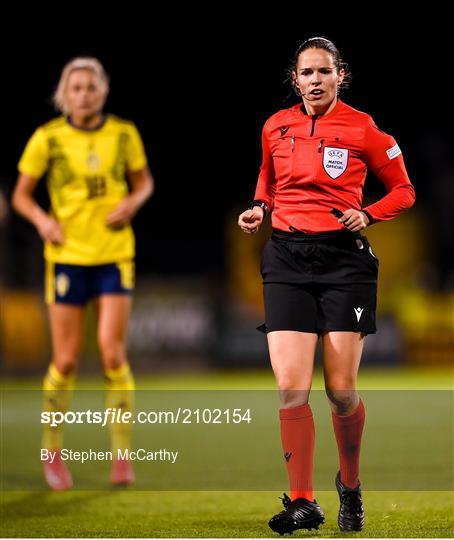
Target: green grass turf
<point>128,513</point>
<point>214,514</point>
<point>369,379</point>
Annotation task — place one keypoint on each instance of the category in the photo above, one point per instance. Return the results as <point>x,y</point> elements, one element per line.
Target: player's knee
<point>113,355</point>
<point>65,365</point>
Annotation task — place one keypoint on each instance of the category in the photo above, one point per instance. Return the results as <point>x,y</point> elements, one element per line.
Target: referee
<point>319,272</point>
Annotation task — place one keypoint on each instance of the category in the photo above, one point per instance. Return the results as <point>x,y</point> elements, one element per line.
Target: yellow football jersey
<point>86,178</point>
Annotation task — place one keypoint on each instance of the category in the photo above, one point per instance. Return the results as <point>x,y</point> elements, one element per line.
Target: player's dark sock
<point>298,439</point>
<point>297,514</point>
<point>351,511</point>
<point>348,431</point>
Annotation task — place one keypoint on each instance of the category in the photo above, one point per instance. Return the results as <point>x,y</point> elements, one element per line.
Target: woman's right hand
<point>251,219</point>
<point>50,230</point>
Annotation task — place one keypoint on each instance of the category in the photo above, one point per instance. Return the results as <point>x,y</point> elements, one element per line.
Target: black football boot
<point>351,512</point>
<point>297,514</point>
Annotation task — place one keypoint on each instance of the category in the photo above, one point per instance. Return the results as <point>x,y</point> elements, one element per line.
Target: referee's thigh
<point>292,359</point>
<point>341,359</point>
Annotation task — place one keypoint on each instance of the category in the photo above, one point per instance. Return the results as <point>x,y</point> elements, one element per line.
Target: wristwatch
<point>371,219</point>
<point>262,205</point>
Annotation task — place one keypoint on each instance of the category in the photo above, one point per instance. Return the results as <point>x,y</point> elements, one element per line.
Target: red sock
<point>298,441</point>
<point>348,431</point>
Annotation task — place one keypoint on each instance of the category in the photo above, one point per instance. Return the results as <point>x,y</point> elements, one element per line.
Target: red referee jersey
<point>313,164</point>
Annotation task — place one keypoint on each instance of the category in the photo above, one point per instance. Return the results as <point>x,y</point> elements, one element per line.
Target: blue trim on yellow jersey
<point>95,128</point>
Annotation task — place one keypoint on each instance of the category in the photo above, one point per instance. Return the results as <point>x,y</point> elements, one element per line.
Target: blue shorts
<point>76,284</point>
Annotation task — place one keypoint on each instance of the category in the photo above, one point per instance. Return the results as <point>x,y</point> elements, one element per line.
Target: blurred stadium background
<point>198,297</point>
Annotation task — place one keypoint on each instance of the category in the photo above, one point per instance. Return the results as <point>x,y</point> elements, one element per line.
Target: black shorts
<point>318,282</point>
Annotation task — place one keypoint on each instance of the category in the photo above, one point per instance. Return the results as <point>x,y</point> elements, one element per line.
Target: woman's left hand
<point>355,220</point>
<point>123,213</point>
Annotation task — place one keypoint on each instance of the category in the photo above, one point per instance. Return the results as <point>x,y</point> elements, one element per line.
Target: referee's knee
<point>343,401</point>
<point>292,393</point>
<point>293,398</point>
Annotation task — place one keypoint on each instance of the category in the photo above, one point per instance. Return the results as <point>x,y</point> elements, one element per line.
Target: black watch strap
<point>371,219</point>
<point>262,205</point>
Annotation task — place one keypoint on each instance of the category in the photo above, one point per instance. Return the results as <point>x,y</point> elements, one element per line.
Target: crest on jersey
<point>93,162</point>
<point>335,161</point>
<point>62,283</point>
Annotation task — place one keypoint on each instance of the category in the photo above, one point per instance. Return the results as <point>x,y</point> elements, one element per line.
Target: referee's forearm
<point>399,199</point>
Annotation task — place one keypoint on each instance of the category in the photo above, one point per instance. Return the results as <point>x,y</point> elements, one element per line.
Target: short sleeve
<point>136,158</point>
<point>34,159</point>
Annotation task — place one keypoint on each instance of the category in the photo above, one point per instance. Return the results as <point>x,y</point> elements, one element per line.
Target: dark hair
<point>328,46</point>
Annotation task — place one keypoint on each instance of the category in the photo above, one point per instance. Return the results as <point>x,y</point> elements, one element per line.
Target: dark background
<point>200,95</point>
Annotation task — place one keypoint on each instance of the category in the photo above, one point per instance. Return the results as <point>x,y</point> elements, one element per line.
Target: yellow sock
<point>120,388</point>
<point>57,392</point>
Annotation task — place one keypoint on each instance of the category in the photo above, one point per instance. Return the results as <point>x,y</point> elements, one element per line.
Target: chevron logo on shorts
<point>358,312</point>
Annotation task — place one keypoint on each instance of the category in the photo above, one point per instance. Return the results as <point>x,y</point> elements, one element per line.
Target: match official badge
<point>335,161</point>
<point>62,283</point>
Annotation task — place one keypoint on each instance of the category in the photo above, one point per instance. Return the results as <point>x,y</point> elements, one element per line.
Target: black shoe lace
<point>352,500</point>
<point>286,500</point>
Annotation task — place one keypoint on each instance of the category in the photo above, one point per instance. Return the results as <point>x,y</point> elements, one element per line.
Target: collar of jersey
<point>88,130</point>
<point>335,110</point>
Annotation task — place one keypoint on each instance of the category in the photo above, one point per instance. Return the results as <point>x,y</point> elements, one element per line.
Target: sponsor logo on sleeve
<point>394,151</point>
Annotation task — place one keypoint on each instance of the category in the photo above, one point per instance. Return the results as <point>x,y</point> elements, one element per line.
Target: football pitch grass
<point>130,513</point>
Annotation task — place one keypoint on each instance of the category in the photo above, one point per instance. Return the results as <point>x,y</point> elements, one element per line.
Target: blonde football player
<point>88,157</point>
